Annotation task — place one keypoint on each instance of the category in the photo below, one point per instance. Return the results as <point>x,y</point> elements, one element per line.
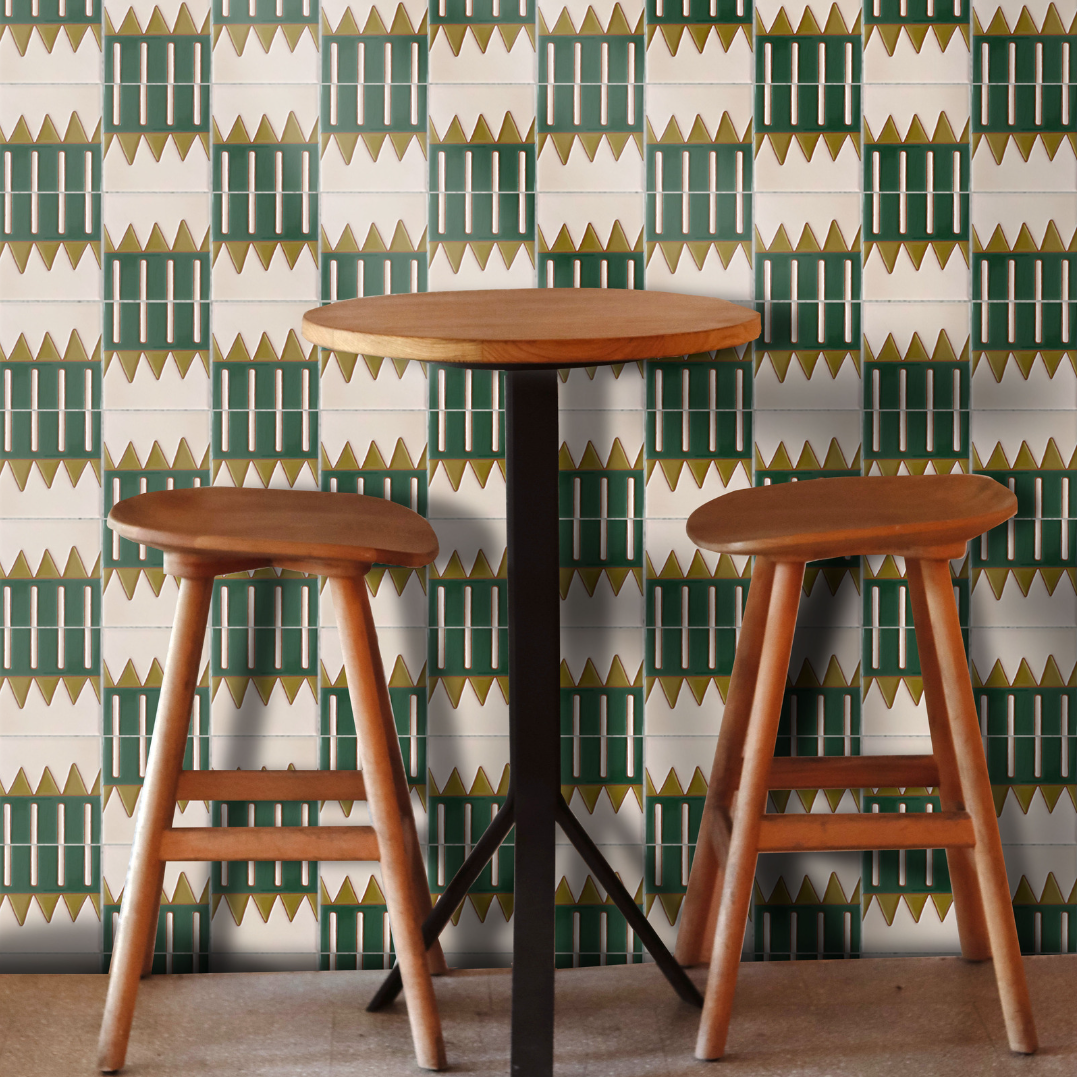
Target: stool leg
<point>955,689</point>
<point>779,617</point>
<point>435,957</point>
<point>968,900</point>
<point>156,806</point>
<point>390,811</point>
<point>699,913</point>
<point>151,937</point>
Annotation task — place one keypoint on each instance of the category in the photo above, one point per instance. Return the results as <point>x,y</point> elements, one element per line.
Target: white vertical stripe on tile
<point>251,189</point>
<point>225,188</point>
<point>360,97</point>
<point>848,82</point>
<point>196,92</point>
<point>794,80</point>
<point>1037,542</point>
<point>875,627</point>
<point>35,197</point>
<point>658,627</point>
<point>929,184</point>
<point>34,817</point>
<point>1065,83</point>
<point>170,87</point>
<point>604,523</point>
<point>278,628</point>
<point>116,83</point>
<point>768,81</point>
<point>902,631</point>
<point>1010,734</point>
<point>658,190</point>
<point>1037,733</point>
<point>61,624</point>
<point>549,81</point>
<point>7,845</point>
<point>170,300</point>
<point>575,734</point>
<point>1065,731</point>
<point>61,842</point>
<point>61,409</point>
<point>794,295</point>
<point>413,112</point>
<point>252,413</point>
<point>1066,300</point>
<point>930,409</point>
<point>577,81</point>
<point>61,192</point>
<point>712,630</point>
<point>1011,300</point>
<point>604,88</point>
<point>33,625</point>
<point>684,191</point>
<point>8,192</point>
<point>308,194</point>
<point>143,79</point>
<point>251,643</point>
<point>334,82</point>
<point>1011,88</point>
<point>1010,531</point>
<point>903,197</point>
<point>740,200</point>
<point>388,93</point>
<point>820,277</point>
<point>903,418</point>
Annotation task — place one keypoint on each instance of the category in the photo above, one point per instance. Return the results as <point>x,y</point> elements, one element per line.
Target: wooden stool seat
<point>206,532</point>
<point>818,518</point>
<point>928,520</point>
<point>277,527</point>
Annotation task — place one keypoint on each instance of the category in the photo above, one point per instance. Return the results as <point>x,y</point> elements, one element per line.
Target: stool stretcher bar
<point>270,843</point>
<point>853,772</point>
<point>919,830</point>
<point>250,785</point>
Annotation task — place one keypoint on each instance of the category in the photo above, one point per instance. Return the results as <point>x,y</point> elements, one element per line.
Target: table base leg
<point>480,856</point>
<point>453,894</point>
<point>607,879</point>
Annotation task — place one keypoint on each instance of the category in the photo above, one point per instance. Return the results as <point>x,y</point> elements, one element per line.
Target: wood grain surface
<point>805,521</point>
<point>275,525</point>
<point>531,326</point>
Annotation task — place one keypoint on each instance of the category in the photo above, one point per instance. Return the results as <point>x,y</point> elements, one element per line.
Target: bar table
<point>530,333</point>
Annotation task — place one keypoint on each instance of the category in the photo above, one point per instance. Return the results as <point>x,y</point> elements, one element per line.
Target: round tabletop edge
<point>556,352</point>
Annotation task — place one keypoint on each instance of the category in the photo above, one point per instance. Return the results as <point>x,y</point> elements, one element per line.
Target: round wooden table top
<point>558,327</point>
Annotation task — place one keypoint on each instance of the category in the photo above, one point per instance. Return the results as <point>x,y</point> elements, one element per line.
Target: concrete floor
<point>868,1018</point>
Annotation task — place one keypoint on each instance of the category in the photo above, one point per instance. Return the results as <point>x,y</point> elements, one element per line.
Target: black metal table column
<point>534,705</point>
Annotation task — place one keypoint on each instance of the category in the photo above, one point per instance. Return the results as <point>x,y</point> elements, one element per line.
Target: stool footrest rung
<point>919,830</point>
<point>853,772</point>
<point>271,785</point>
<point>270,843</point>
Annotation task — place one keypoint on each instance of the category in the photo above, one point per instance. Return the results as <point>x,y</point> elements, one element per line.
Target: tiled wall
<point>895,185</point>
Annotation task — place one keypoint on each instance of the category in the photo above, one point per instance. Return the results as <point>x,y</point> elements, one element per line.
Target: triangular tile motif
<point>165,226</point>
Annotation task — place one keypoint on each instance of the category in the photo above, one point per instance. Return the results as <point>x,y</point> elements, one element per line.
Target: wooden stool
<point>205,533</point>
<point>928,520</point>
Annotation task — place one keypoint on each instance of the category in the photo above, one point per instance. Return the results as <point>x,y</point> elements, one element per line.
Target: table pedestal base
<point>535,804</point>
<point>480,856</point>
